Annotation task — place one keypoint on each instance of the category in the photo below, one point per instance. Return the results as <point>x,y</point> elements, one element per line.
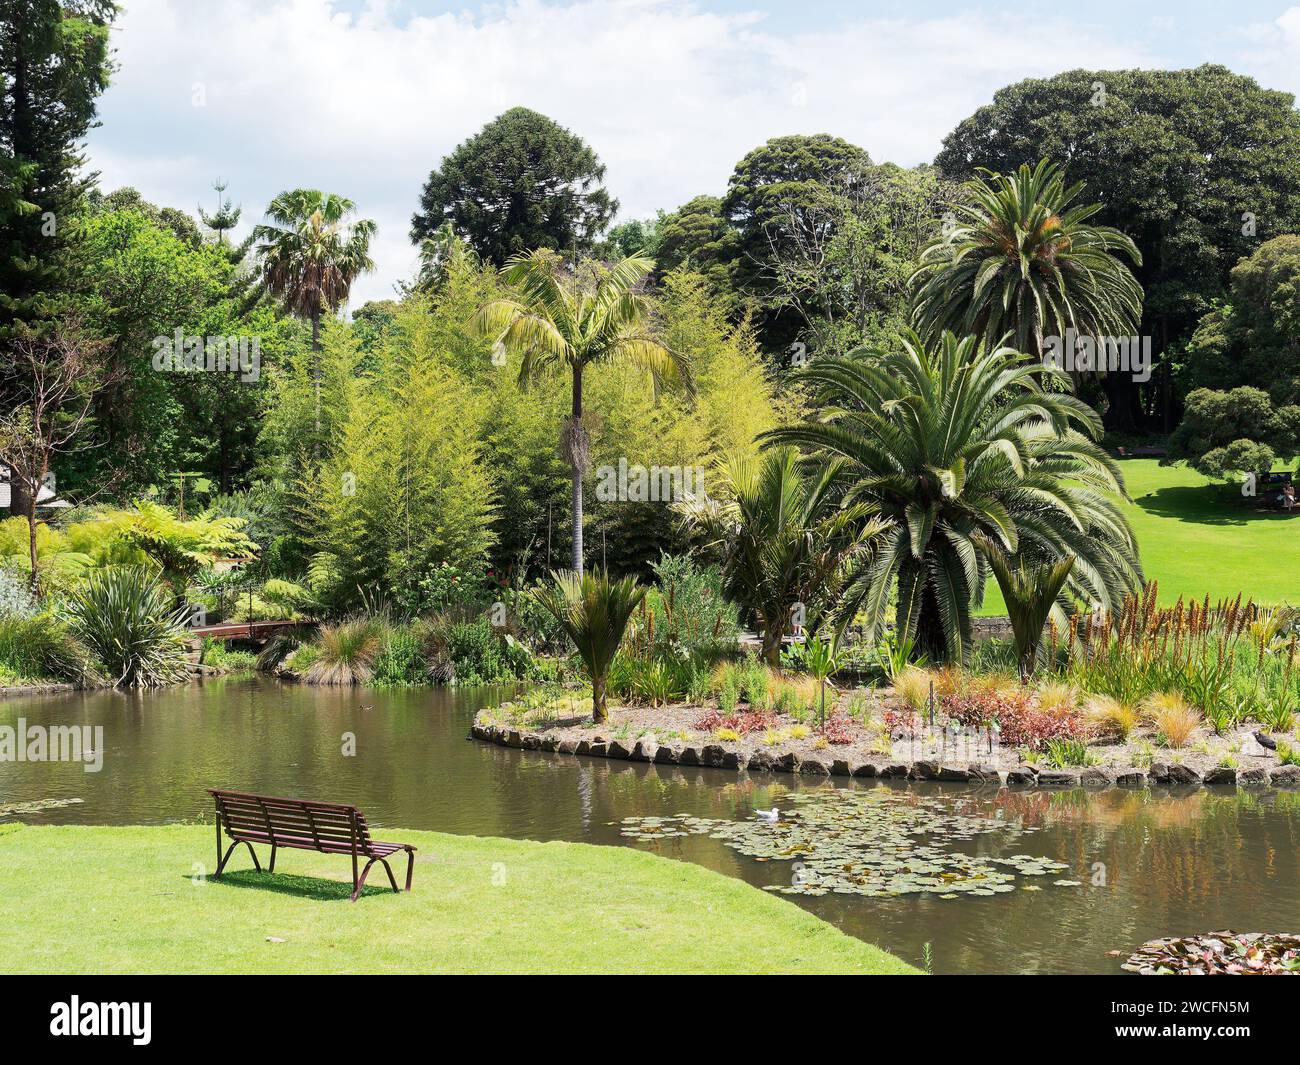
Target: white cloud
<point>300,93</point>
<point>1272,53</point>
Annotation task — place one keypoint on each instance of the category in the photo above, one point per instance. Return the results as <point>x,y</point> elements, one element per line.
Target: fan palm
<point>1022,261</point>
<point>311,251</point>
<point>553,324</point>
<point>593,611</point>
<point>945,444</point>
<point>788,541</point>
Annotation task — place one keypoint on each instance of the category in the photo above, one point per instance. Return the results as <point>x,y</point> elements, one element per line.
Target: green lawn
<point>1199,537</point>
<point>79,899</point>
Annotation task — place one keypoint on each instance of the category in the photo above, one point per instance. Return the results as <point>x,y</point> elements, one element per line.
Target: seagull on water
<point>768,815</point>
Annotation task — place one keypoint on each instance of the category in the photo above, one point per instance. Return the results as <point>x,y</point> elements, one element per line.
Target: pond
<point>1105,871</point>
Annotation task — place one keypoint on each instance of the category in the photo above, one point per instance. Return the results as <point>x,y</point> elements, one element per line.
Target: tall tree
<point>54,63</point>
<point>778,191</point>
<point>311,251</point>
<point>522,182</point>
<point>573,323</point>
<point>1197,166</point>
<point>1022,259</point>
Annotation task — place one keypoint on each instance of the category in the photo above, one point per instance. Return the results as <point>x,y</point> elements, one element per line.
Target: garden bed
<point>670,735</point>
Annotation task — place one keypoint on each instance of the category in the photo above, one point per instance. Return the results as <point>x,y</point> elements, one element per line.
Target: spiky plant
<point>125,616</point>
<point>1030,592</point>
<point>948,443</point>
<point>787,542</point>
<point>1023,259</point>
<point>593,611</point>
<point>346,653</point>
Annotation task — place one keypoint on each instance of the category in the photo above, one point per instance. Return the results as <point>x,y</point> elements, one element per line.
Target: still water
<point>1146,864</point>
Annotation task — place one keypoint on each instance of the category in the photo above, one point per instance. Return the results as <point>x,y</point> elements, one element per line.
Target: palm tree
<point>594,612</point>
<point>947,444</point>
<point>311,251</point>
<point>1021,260</point>
<point>555,323</point>
<point>787,542</point>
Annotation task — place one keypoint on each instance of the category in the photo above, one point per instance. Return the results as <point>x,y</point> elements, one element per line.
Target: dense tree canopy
<point>1196,166</point>
<point>522,182</point>
<point>1253,338</point>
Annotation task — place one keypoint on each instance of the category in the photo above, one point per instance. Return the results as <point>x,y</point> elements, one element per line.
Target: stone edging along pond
<point>716,756</point>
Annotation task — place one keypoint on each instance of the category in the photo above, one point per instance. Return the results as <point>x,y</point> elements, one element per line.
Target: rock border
<point>716,756</point>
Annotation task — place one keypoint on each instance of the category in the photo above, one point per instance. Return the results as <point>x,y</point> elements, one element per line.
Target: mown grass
<point>77,899</point>
<point>1199,537</point>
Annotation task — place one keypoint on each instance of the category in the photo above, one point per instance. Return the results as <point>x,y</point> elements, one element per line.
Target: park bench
<point>327,827</point>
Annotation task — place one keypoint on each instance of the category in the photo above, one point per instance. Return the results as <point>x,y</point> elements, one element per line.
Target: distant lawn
<point>120,900</point>
<point>1199,537</point>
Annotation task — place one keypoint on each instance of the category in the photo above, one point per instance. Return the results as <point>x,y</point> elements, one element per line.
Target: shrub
<point>468,650</point>
<point>40,647</point>
<point>401,657</point>
<point>1171,717</point>
<point>346,653</point>
<point>125,616</point>
<point>1287,754</point>
<point>1069,752</point>
<point>912,686</point>
<point>742,724</point>
<point>727,735</point>
<point>1056,697</point>
<point>1021,723</point>
<point>1111,717</point>
<point>838,730</point>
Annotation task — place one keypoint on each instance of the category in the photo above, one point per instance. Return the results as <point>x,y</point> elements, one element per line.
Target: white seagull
<point>768,815</point>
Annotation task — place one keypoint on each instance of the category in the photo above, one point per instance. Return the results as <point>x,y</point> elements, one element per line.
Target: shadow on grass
<point>1206,505</point>
<point>303,887</point>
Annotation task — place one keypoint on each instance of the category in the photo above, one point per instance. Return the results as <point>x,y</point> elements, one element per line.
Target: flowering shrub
<point>1022,723</point>
<point>741,723</point>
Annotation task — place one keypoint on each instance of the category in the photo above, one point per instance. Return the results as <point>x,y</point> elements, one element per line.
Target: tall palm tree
<point>565,323</point>
<point>1021,260</point>
<point>787,541</point>
<point>311,251</point>
<point>949,444</point>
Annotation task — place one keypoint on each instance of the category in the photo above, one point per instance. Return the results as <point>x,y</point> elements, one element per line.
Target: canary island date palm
<point>311,249</point>
<point>593,611</point>
<point>789,546</point>
<point>556,323</point>
<point>1019,257</point>
<point>949,443</point>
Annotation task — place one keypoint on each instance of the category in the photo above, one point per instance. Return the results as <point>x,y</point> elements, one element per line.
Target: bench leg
<point>360,882</point>
<point>410,867</point>
<point>230,850</point>
<point>271,867</point>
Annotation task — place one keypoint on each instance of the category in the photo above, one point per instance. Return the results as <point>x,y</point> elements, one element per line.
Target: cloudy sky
<point>364,97</point>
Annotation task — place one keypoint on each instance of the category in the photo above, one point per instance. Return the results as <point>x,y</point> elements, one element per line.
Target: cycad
<point>787,542</point>
<point>946,444</point>
<point>593,611</point>
<point>1022,260</point>
<point>570,324</point>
